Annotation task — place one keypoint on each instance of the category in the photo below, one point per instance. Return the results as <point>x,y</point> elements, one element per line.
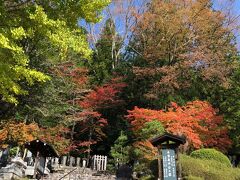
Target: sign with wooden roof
<point>168,140</point>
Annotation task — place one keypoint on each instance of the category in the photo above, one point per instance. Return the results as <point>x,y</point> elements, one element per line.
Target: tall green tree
<point>230,106</point>
<point>121,151</point>
<point>103,63</point>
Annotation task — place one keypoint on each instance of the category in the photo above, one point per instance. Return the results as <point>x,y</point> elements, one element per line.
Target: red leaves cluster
<point>197,120</point>
<point>84,145</point>
<point>78,75</point>
<point>103,96</point>
<point>90,119</point>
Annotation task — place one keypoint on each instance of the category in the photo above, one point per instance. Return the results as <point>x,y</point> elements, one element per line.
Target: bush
<point>13,151</point>
<point>211,154</point>
<point>207,169</point>
<point>193,178</point>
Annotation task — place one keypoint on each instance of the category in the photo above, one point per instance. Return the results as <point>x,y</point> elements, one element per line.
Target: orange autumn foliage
<point>148,151</point>
<point>179,38</point>
<point>55,136</point>
<point>16,134</point>
<point>197,120</point>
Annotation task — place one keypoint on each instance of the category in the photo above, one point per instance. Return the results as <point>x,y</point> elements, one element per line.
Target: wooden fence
<point>99,163</point>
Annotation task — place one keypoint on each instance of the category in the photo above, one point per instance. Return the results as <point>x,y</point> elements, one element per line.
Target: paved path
<point>73,173</point>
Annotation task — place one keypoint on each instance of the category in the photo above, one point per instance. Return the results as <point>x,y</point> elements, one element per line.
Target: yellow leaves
<point>39,16</point>
<point>18,33</point>
<point>44,31</point>
<point>67,40</point>
<point>89,8</point>
<point>4,41</point>
<point>60,35</point>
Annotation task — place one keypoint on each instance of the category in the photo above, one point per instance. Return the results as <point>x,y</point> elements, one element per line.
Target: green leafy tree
<point>48,103</point>
<point>230,106</point>
<point>40,28</point>
<point>151,130</point>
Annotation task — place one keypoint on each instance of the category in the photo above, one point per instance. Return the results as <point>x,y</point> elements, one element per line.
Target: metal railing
<point>68,173</point>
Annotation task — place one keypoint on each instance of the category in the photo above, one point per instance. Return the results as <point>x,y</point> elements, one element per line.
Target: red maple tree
<point>103,96</point>
<point>91,119</point>
<point>88,119</point>
<point>197,121</point>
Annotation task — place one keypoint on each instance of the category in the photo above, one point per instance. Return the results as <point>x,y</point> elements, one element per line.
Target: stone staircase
<point>77,173</point>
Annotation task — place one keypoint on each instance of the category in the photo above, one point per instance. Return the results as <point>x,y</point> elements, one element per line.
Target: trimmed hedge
<point>193,178</point>
<point>211,154</point>
<point>196,169</point>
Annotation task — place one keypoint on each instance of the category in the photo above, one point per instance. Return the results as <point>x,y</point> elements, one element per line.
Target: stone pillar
<point>71,161</point>
<point>78,161</point>
<point>84,163</point>
<point>29,158</point>
<point>64,160</point>
<point>56,160</point>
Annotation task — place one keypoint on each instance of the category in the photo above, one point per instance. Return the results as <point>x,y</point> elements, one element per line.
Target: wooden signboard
<point>169,164</point>
<point>167,145</point>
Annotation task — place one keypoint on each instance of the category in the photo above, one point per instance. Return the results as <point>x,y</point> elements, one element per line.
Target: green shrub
<point>13,151</point>
<point>211,154</point>
<point>207,169</point>
<point>193,178</point>
<point>147,177</point>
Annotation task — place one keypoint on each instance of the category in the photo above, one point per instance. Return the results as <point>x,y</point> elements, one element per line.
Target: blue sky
<point>235,11</point>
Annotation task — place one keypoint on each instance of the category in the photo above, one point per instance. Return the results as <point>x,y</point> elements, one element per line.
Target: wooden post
<point>102,163</point>
<point>98,162</point>
<point>36,165</point>
<point>94,164</point>
<point>25,153</point>
<point>84,164</point>
<point>160,173</point>
<point>179,167</point>
<point>105,163</point>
